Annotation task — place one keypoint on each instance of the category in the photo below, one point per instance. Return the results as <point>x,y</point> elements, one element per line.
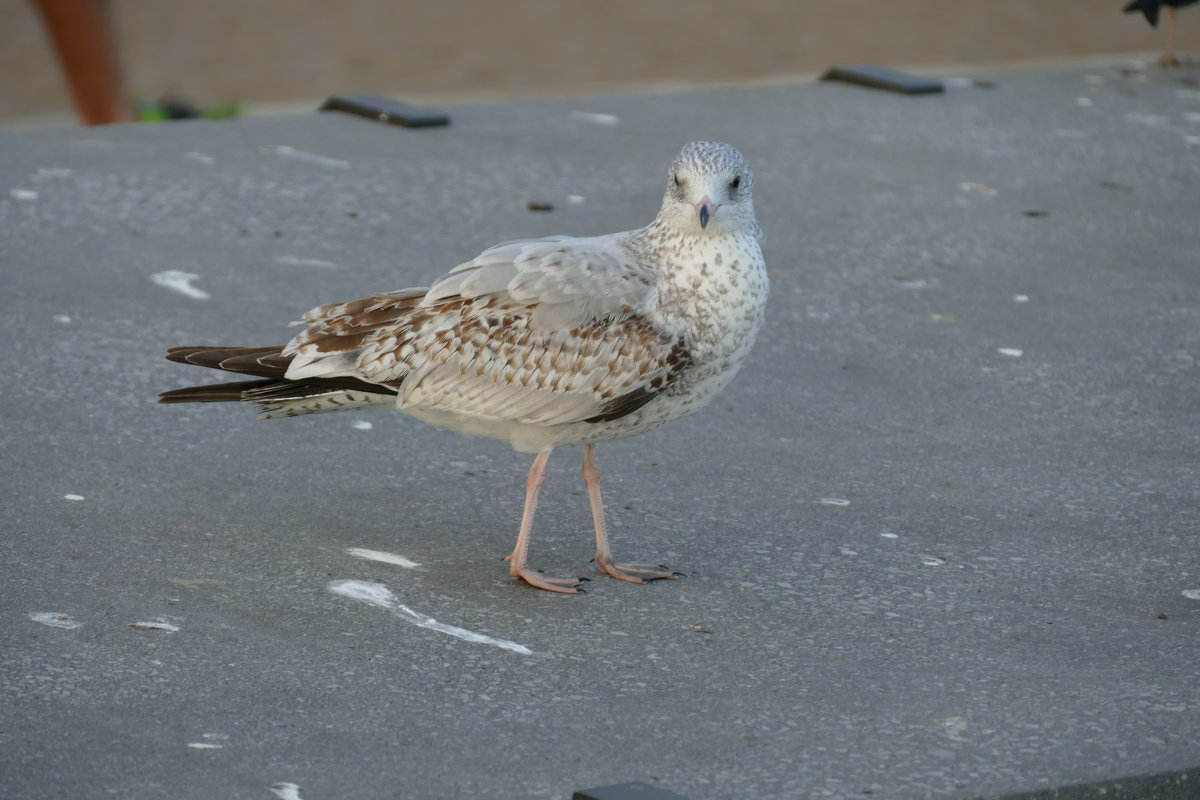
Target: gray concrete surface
<point>917,566</point>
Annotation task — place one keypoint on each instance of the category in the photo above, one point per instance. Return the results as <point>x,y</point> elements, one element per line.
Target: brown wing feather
<point>482,357</point>
<point>266,362</point>
<point>485,357</point>
<point>339,327</point>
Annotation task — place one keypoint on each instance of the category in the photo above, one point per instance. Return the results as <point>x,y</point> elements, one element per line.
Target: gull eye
<point>736,182</point>
<point>678,183</point>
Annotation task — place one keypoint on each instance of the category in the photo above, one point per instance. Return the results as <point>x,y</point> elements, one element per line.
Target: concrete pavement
<point>940,536</point>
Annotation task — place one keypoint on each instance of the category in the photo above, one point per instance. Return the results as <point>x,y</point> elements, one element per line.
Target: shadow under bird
<point>541,342</point>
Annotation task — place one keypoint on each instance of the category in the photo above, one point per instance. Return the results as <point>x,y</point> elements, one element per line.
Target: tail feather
<point>273,393</point>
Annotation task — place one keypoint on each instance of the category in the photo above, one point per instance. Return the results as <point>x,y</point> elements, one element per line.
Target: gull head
<point>708,191</point>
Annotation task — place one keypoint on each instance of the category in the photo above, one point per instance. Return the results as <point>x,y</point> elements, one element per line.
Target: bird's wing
<point>541,332</point>
<point>566,281</point>
<point>1149,8</point>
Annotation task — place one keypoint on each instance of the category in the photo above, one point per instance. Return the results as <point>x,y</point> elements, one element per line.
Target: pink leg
<point>634,573</point>
<point>517,566</point>
<point>1169,59</point>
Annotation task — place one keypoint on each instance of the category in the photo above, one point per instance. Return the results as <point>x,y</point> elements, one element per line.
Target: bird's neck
<point>713,284</point>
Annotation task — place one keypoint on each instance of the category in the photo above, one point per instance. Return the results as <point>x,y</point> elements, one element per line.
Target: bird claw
<point>637,573</point>
<point>536,579</point>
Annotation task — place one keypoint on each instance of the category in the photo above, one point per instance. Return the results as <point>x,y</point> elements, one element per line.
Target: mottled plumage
<point>540,343</point>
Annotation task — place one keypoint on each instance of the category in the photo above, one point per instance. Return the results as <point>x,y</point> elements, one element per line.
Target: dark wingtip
<point>212,393</point>
<point>179,354</point>
<point>266,362</point>
<point>1149,9</point>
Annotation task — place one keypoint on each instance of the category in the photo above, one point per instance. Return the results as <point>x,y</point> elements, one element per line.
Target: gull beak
<point>707,208</point>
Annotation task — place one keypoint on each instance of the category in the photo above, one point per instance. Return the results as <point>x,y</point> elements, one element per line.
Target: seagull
<point>1150,9</point>
<point>541,342</point>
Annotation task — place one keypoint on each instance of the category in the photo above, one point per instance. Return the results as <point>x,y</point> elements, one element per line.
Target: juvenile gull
<point>541,342</point>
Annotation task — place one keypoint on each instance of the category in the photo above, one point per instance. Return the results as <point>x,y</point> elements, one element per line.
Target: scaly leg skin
<point>516,560</point>
<point>634,573</point>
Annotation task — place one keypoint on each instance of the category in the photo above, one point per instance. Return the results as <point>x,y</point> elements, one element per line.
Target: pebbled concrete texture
<point>940,536</point>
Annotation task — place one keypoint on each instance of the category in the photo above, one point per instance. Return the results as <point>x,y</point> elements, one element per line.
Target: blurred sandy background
<point>279,51</point>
